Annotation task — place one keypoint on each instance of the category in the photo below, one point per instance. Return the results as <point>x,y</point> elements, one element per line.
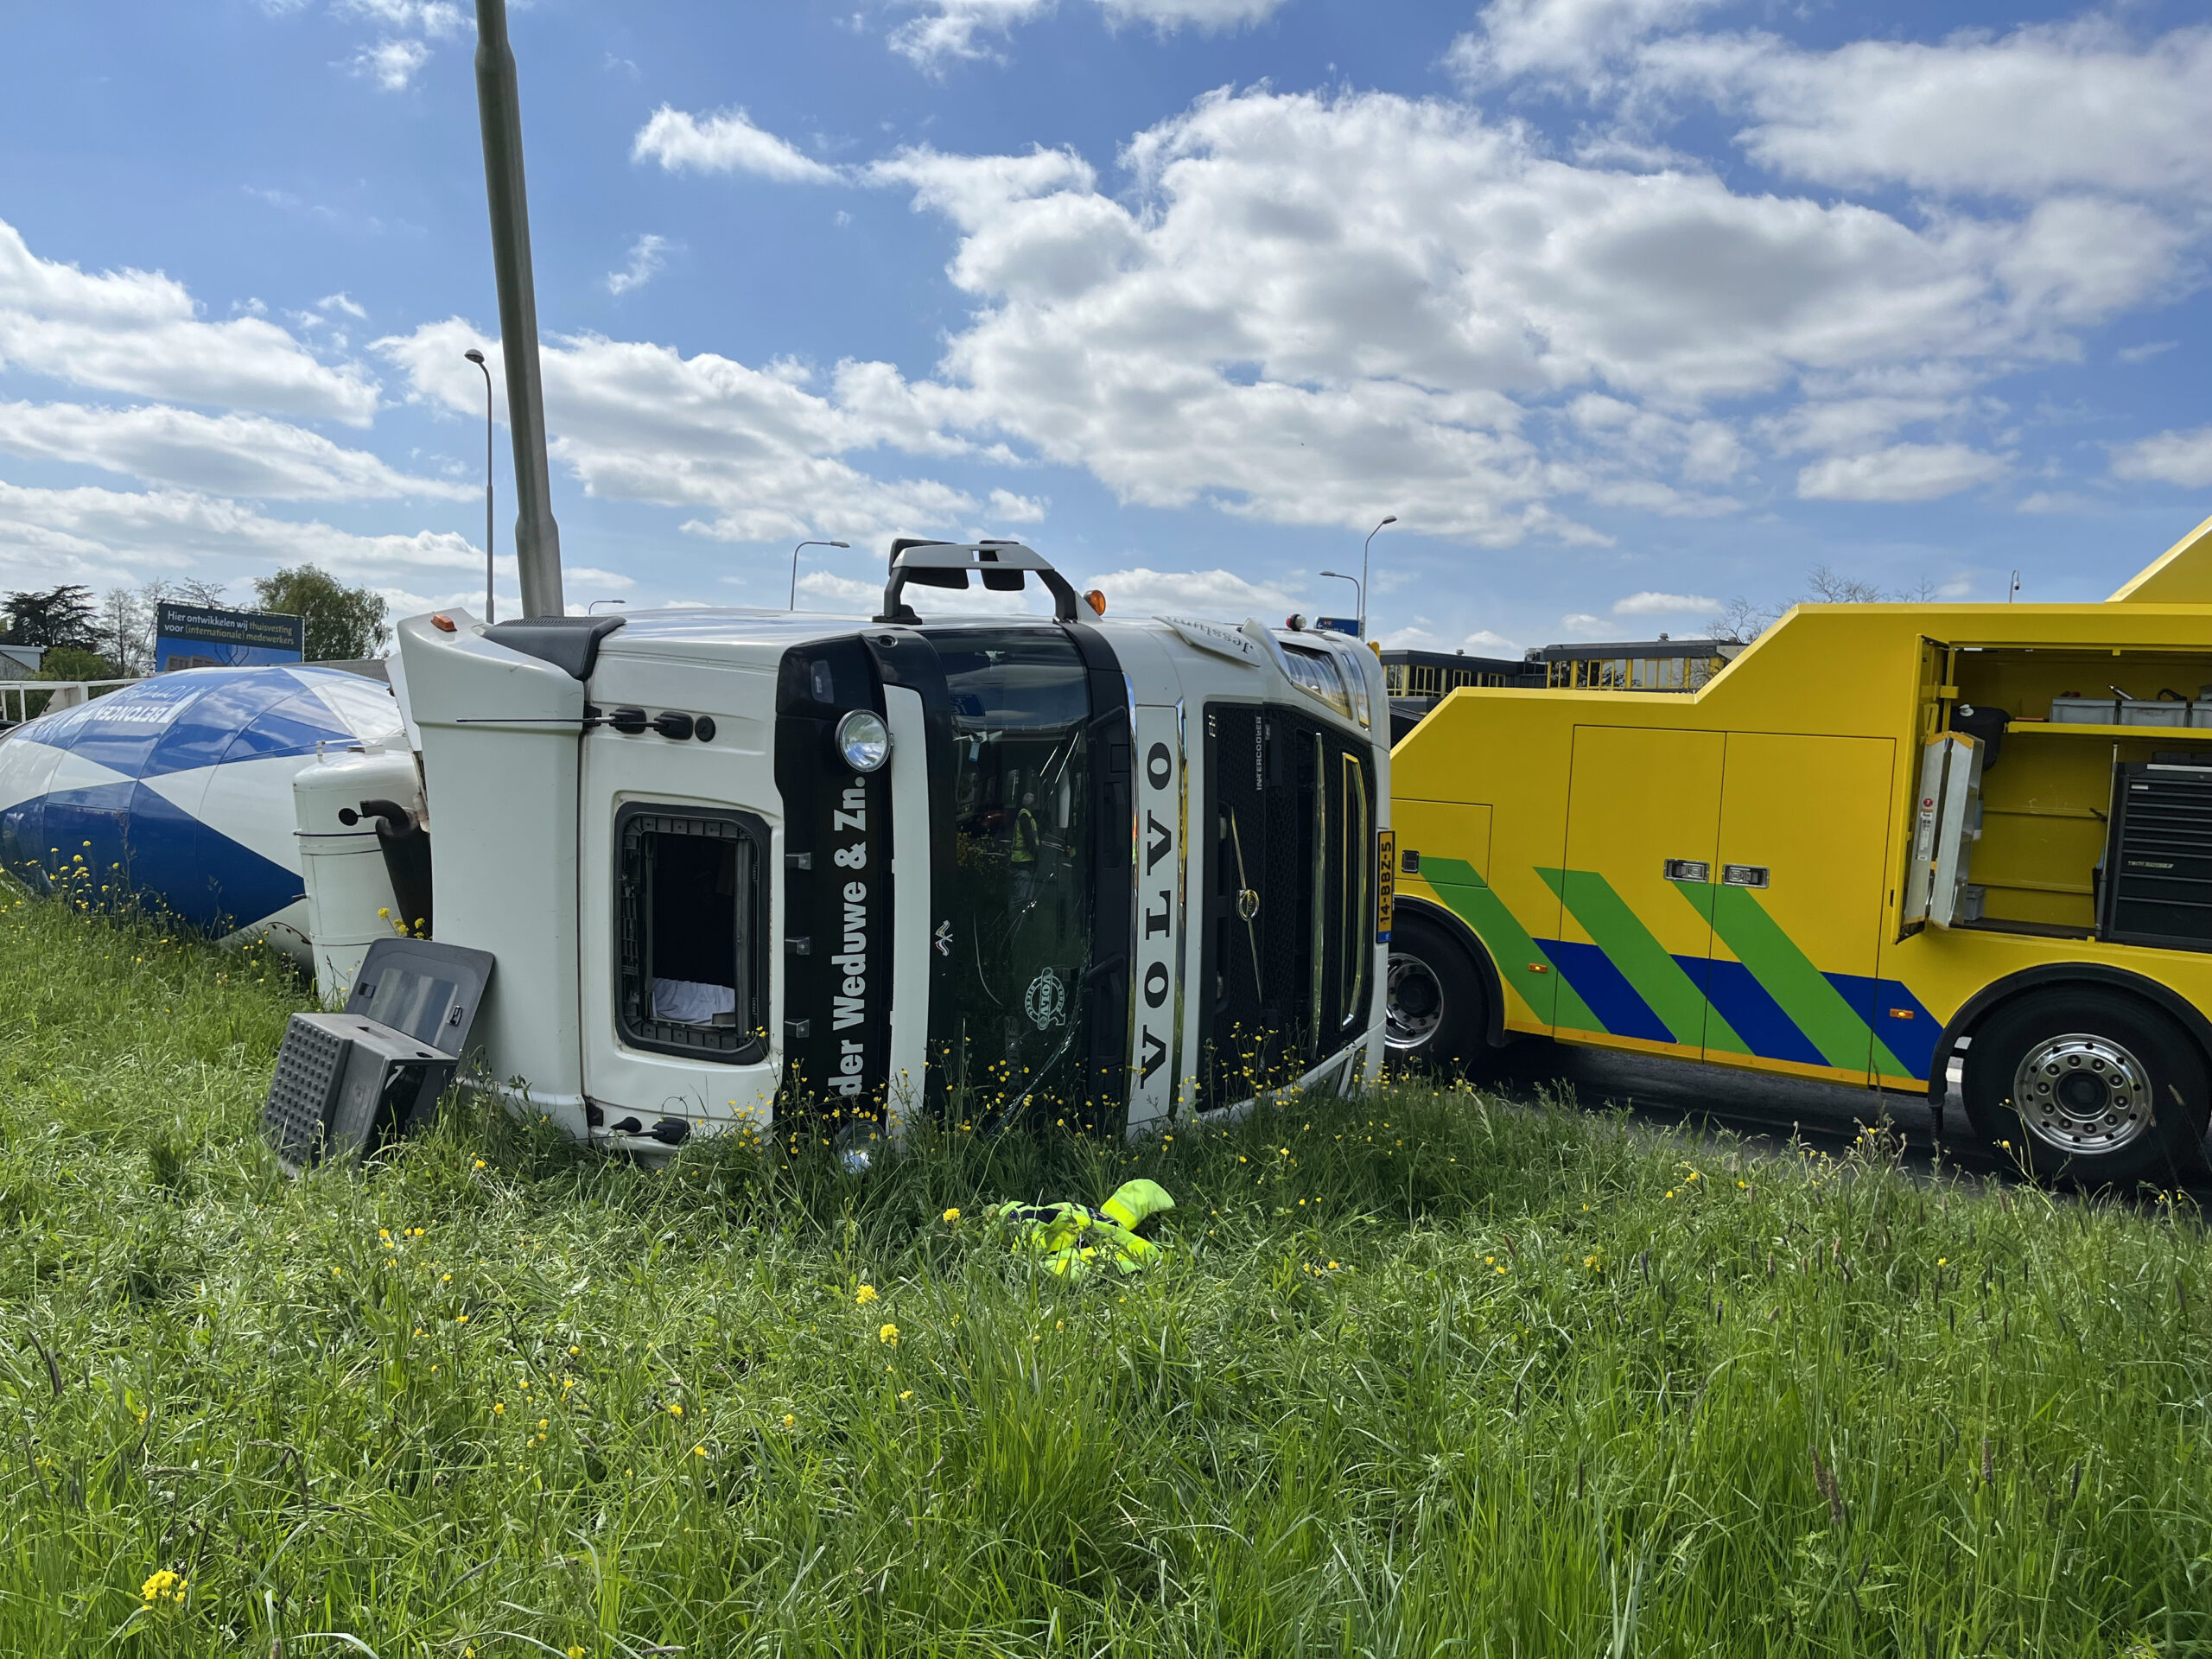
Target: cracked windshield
<point>1022,888</point>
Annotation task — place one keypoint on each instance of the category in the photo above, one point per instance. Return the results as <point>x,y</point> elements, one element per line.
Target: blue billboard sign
<point>1339,625</point>
<point>202,636</point>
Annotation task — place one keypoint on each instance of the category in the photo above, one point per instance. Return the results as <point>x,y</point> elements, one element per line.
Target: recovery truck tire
<point>1436,1013</point>
<point>2091,1087</point>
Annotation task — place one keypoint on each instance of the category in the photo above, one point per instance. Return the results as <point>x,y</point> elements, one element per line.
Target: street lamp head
<point>474,356</point>
<point>836,544</point>
<point>1338,574</point>
<point>1391,519</point>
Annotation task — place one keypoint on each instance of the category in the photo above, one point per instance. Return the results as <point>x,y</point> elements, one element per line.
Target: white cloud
<point>759,451</point>
<point>102,536</point>
<point>1561,37</point>
<point>436,18</point>
<point>2144,352</point>
<point>950,30</point>
<point>139,331</point>
<point>725,142</point>
<point>1589,627</point>
<point>1657,604</point>
<point>647,260</point>
<point>1308,305</point>
<point>1008,508</point>
<point>392,64</point>
<point>2181,458</point>
<point>345,303</point>
<point>225,455</point>
<point>2044,109</point>
<point>1903,471</point>
<point>1140,590</point>
<point>584,576</point>
<point>1483,643</point>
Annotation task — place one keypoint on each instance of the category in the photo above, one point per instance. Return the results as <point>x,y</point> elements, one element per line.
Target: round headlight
<point>863,740</point>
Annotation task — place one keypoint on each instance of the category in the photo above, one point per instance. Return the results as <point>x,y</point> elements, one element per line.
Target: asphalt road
<point>1765,1111</point>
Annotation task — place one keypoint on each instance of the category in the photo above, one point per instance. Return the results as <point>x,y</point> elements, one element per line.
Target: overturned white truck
<point>734,863</point>
<point>730,864</point>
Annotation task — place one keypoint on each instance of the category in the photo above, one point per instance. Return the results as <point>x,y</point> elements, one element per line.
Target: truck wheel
<point>2090,1086</point>
<point>1434,1007</point>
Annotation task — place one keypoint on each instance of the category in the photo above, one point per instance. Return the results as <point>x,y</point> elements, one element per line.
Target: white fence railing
<point>22,700</point>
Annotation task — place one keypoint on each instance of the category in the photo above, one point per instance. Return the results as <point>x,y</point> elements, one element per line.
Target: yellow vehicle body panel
<point>1718,875</point>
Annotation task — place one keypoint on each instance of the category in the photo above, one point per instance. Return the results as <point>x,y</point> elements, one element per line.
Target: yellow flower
<point>460,1319</point>
<point>499,1410</point>
<point>952,1215</point>
<point>888,1335</point>
<point>162,1584</point>
<point>698,1451</point>
<point>480,1163</point>
<point>788,1419</point>
<point>865,1294</point>
<point>542,1423</point>
<point>1942,1261</point>
<point>907,1395</point>
<point>575,1653</point>
<point>675,1410</point>
<point>575,1349</point>
<point>1670,1191</point>
<point>384,1232</point>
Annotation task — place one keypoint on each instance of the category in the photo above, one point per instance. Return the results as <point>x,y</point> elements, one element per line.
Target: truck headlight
<point>864,740</point>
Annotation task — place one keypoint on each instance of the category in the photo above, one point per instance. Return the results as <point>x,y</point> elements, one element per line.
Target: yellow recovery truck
<point>1883,836</point>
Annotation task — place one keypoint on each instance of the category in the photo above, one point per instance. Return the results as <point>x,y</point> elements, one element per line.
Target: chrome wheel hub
<point>2082,1093</point>
<point>1413,1002</point>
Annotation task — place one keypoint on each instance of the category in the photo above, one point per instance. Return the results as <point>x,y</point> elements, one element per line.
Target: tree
<point>59,616</point>
<point>1741,618</point>
<point>343,624</point>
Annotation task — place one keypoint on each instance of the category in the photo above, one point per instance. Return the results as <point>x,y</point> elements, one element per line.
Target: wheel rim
<point>1412,1001</point>
<point>2082,1093</point>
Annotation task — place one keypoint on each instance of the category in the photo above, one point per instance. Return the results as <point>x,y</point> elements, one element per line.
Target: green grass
<point>1428,1374</point>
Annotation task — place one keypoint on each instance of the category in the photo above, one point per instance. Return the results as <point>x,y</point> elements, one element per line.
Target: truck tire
<point>2090,1086</point>
<point>1436,1013</point>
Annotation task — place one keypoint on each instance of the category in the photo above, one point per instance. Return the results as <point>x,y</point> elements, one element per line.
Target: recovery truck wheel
<point>1436,1015</point>
<point>2092,1087</point>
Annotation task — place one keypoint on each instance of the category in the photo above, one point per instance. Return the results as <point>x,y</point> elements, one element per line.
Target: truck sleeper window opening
<point>688,910</point>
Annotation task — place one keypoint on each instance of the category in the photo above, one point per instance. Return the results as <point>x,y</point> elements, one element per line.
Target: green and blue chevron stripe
<point>1771,1002</point>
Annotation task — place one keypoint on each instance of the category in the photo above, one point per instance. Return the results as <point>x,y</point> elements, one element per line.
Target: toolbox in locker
<point>2157,885</point>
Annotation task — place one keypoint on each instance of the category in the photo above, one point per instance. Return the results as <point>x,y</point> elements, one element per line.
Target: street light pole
<point>1359,596</point>
<point>477,358</point>
<point>794,603</point>
<point>1390,518</point>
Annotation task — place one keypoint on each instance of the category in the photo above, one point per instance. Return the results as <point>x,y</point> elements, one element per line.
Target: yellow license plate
<point>1386,884</point>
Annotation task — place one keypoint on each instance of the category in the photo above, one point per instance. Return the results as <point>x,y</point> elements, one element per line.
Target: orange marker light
<point>441,622</point>
<point>1097,601</point>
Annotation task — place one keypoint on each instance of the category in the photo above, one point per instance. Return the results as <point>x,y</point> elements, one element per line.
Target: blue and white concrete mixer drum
<point>176,792</point>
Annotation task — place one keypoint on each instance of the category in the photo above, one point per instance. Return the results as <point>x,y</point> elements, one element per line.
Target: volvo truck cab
<point>737,865</point>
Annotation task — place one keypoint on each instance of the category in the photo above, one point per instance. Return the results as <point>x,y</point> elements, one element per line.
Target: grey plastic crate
<point>2154,711</point>
<point>2085,711</point>
<point>344,1084</point>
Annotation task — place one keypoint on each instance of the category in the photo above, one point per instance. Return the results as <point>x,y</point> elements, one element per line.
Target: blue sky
<point>1625,307</point>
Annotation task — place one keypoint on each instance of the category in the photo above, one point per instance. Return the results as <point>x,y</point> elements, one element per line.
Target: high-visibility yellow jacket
<point>1071,1239</point>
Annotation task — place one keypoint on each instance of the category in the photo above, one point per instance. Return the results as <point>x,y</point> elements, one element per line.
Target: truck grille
<point>1289,907</point>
